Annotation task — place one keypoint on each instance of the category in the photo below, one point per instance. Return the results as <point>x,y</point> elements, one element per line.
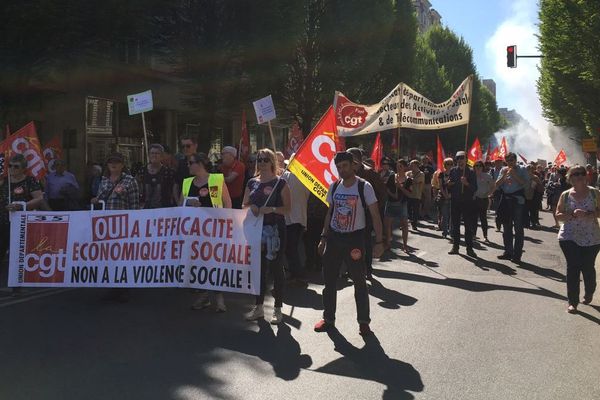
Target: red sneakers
<point>323,326</point>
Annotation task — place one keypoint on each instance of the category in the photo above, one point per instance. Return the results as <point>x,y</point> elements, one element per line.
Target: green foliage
<point>569,83</point>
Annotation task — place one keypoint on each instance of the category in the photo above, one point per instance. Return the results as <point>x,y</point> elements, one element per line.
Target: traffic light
<point>511,56</point>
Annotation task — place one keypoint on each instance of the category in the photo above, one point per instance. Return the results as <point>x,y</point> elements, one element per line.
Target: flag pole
<point>272,137</point>
<point>467,130</point>
<point>145,138</point>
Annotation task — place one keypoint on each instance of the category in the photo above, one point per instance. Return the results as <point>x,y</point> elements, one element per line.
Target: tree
<point>569,83</point>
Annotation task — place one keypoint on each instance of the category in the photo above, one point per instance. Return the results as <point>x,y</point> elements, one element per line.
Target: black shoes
<point>505,256</point>
<point>454,250</point>
<point>471,253</point>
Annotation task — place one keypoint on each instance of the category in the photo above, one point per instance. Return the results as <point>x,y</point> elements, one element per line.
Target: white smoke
<point>532,137</point>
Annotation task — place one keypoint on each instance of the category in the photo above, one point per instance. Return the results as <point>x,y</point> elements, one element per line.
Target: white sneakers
<point>258,312</point>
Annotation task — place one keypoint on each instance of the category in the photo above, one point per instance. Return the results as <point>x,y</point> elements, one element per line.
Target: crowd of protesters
<point>365,205</point>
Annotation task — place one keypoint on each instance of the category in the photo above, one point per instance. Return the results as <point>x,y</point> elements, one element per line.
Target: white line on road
<point>49,292</point>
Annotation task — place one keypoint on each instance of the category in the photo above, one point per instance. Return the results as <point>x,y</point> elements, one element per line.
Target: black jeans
<point>481,215</point>
<point>414,208</point>
<point>312,237</point>
<point>275,267</point>
<point>345,248</point>
<point>294,234</point>
<point>463,211</point>
<point>580,261</point>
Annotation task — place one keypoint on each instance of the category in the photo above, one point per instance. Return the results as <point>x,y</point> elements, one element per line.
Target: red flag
<point>25,141</point>
<point>488,153</point>
<point>475,153</point>
<point>295,139</point>
<point>377,152</point>
<point>440,155</point>
<point>52,151</point>
<point>561,158</point>
<point>523,158</point>
<point>244,150</point>
<point>395,146</point>
<point>503,151</point>
<point>495,154</point>
<point>313,164</point>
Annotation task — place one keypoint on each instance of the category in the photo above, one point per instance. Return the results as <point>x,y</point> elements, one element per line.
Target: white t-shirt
<point>348,211</point>
<point>299,200</point>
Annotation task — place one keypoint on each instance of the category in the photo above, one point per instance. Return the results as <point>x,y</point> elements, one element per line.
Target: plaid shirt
<point>125,196</point>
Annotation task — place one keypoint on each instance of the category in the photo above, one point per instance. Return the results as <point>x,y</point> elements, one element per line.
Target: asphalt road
<point>446,327</point>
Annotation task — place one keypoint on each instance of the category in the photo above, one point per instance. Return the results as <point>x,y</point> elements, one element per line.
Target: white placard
<point>140,102</point>
<point>265,110</point>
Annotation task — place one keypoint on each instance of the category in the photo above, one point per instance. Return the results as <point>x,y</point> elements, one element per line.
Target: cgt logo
<point>45,258</point>
<point>348,114</point>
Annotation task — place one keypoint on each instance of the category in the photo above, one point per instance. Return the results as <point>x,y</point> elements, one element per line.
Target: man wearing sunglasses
<point>462,185</point>
<point>512,183</point>
<point>189,147</point>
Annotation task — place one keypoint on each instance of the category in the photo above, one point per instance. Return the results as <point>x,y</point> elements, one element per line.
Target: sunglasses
<point>578,174</point>
<point>262,160</point>
<point>14,165</point>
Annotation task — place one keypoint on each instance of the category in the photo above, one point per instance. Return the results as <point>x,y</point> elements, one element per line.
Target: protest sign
<point>265,109</point>
<point>140,102</point>
<point>200,248</point>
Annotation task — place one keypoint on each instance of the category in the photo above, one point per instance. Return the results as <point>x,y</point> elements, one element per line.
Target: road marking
<point>49,292</point>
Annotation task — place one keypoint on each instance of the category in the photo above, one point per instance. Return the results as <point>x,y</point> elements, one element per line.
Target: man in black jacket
<point>462,185</point>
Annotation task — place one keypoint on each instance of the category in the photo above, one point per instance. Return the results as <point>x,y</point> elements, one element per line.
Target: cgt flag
<point>25,141</point>
<point>295,139</point>
<point>503,150</point>
<point>440,155</point>
<point>313,164</point>
<point>475,153</point>
<point>561,158</point>
<point>53,151</point>
<point>244,150</point>
<point>377,153</point>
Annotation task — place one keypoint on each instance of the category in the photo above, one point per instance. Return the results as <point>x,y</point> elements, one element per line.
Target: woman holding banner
<point>267,194</point>
<point>19,187</point>
<point>204,189</point>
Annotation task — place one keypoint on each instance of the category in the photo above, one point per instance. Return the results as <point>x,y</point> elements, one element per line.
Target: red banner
<point>561,158</point>
<point>377,153</point>
<point>313,164</point>
<point>53,151</point>
<point>25,141</point>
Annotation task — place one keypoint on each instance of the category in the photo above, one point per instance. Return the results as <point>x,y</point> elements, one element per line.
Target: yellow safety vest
<point>215,188</point>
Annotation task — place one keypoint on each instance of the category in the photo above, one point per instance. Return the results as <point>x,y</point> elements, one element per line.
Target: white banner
<point>403,107</point>
<point>140,102</point>
<point>187,247</point>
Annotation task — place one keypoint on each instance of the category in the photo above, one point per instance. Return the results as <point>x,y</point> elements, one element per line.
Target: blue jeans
<point>444,210</point>
<point>513,244</point>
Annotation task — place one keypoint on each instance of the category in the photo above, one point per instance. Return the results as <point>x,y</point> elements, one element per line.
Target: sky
<point>488,26</point>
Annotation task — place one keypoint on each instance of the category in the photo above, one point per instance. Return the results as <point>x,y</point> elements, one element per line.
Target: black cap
<point>342,156</point>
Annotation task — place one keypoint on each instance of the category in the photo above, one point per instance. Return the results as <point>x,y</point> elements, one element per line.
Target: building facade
<point>426,16</point>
